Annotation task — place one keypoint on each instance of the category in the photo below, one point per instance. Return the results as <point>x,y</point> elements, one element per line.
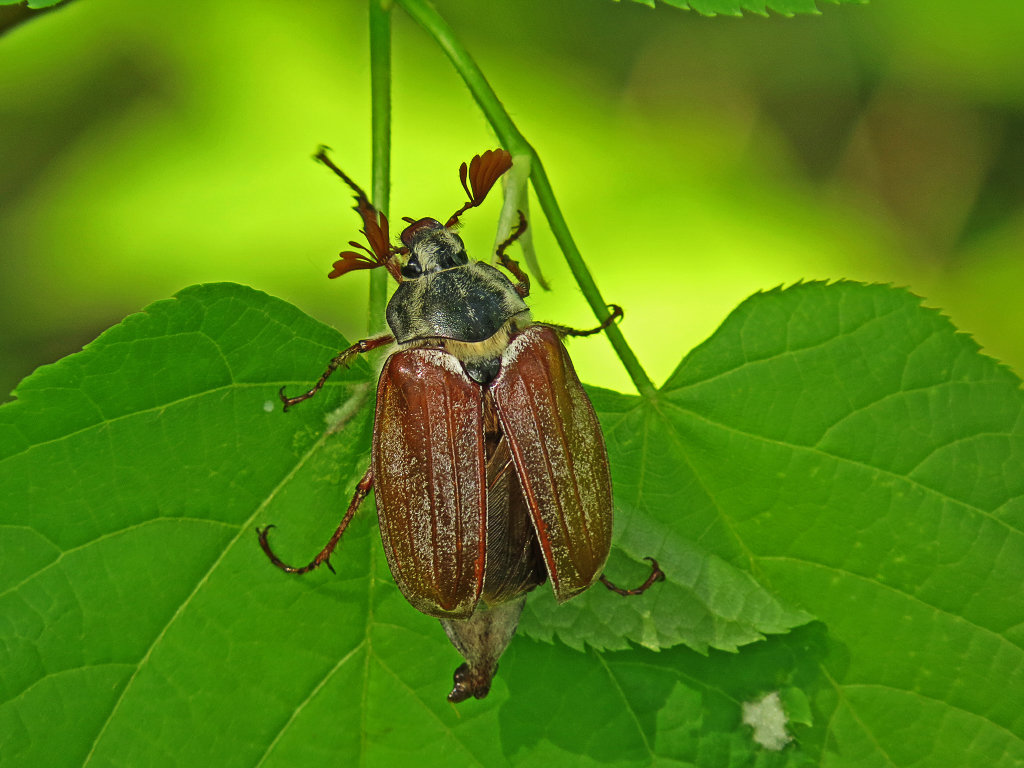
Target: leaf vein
<point>309,697</point>
<point>897,590</point>
<point>243,529</point>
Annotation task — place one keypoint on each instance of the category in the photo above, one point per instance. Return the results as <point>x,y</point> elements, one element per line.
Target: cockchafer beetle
<point>488,462</point>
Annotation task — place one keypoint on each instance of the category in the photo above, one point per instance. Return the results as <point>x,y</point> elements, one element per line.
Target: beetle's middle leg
<point>364,345</point>
<point>615,313</point>
<point>324,557</point>
<point>656,575</point>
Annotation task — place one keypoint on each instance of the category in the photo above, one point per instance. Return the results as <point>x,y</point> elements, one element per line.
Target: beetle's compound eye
<point>412,269</point>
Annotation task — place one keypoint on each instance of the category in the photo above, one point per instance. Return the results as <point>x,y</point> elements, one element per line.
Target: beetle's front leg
<point>364,345</point>
<point>523,285</point>
<point>362,489</point>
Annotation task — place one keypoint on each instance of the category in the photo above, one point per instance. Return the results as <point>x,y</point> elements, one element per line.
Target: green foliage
<point>32,3</point>
<point>833,450</point>
<point>737,7</point>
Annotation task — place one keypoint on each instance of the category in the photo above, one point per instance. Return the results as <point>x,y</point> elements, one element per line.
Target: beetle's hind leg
<point>656,575</point>
<point>362,489</point>
<point>364,345</point>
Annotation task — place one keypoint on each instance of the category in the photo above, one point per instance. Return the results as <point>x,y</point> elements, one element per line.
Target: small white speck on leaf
<point>268,406</point>
<point>768,719</point>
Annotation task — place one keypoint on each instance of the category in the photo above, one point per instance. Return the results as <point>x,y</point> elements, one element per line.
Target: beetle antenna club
<point>488,464</point>
<point>375,229</point>
<point>482,171</point>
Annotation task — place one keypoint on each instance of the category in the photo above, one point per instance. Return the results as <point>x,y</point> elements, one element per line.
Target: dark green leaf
<point>738,7</point>
<point>32,3</point>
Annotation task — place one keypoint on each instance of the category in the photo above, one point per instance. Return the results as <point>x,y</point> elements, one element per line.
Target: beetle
<point>488,463</point>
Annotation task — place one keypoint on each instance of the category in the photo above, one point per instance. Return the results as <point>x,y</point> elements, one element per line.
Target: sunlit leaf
<point>834,451</point>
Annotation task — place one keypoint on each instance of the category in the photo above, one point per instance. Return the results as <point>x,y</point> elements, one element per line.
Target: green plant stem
<point>516,143</point>
<point>380,102</point>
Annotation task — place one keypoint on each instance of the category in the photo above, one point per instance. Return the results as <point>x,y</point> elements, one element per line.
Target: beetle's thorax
<point>445,295</point>
<point>468,308</point>
<point>481,360</point>
<point>492,347</point>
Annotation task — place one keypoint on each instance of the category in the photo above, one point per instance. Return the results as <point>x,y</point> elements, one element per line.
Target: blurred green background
<point>148,146</point>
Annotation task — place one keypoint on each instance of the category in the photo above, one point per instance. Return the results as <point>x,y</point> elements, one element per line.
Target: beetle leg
<point>364,345</point>
<point>616,313</point>
<point>324,557</point>
<point>656,575</point>
<point>523,287</point>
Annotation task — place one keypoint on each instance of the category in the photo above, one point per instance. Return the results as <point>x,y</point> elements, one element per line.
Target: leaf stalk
<point>514,141</point>
<point>380,107</point>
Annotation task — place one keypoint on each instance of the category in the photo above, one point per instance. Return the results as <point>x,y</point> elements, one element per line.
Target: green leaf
<point>737,7</point>
<point>836,448</point>
<point>861,458</point>
<point>32,3</point>
<point>703,601</point>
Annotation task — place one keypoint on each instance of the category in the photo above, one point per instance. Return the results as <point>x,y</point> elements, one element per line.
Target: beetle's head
<point>432,248</point>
